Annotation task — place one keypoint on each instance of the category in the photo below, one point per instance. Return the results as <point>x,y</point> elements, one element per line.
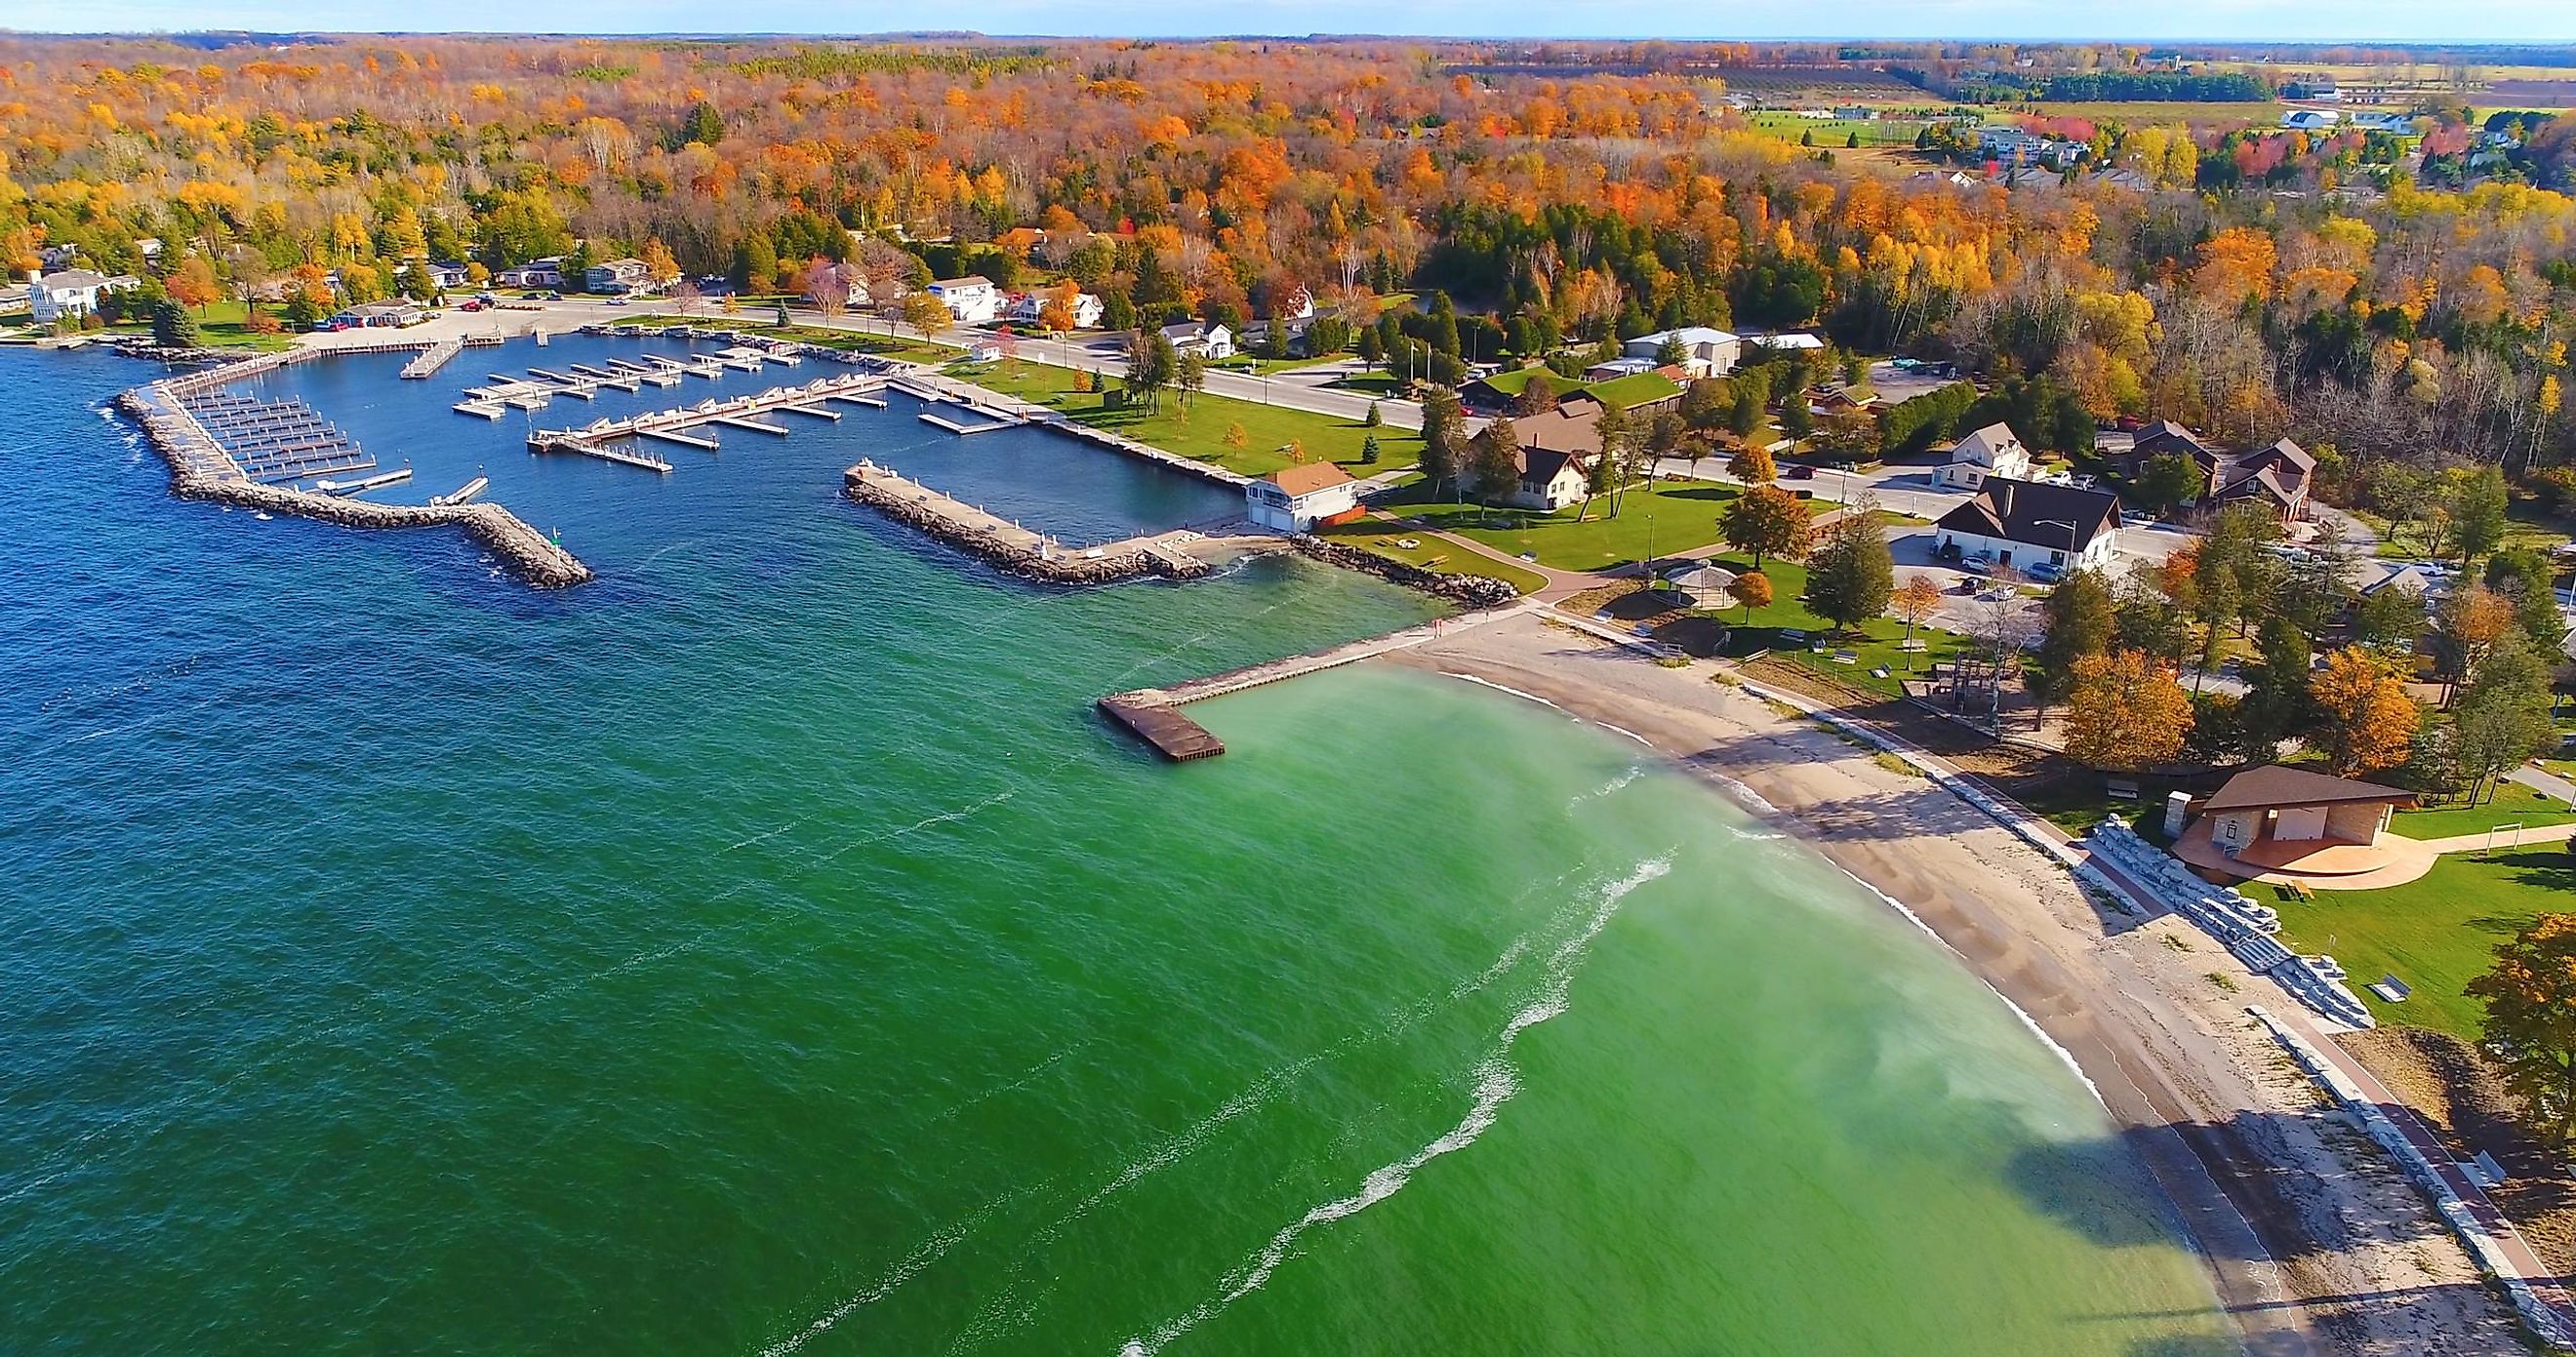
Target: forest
<point>2252,284</point>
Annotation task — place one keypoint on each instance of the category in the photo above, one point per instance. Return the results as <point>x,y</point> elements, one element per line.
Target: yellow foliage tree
<point>2369,721</point>
<point>2126,713</point>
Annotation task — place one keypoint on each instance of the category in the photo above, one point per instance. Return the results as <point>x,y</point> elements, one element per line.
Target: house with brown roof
<point>1296,498</point>
<point>2297,824</point>
<point>2278,476</point>
<point>1557,451</point>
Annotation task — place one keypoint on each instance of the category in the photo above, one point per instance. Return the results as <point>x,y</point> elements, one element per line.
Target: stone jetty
<point>201,469</point>
<point>1019,550</point>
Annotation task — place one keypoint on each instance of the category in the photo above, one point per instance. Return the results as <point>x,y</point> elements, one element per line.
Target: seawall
<point>1473,591</point>
<point>1017,550</point>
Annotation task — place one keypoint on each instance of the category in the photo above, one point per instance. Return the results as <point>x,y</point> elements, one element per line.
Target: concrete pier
<point>814,411</point>
<point>675,436</point>
<point>737,422</point>
<point>433,358</point>
<point>738,411</point>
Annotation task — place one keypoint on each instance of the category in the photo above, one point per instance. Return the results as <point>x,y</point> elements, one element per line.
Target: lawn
<point>1199,429</point>
<point>1831,134</point>
<point>1674,517</point>
<point>1431,553</point>
<point>220,325</point>
<point>2435,934</point>
<point>2513,803</point>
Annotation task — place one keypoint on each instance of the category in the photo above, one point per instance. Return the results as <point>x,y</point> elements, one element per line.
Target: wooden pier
<point>737,412</point>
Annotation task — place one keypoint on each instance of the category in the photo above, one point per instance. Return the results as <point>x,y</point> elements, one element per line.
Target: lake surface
<point>765,949</point>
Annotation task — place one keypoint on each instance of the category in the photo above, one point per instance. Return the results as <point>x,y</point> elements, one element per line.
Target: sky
<point>2455,21</point>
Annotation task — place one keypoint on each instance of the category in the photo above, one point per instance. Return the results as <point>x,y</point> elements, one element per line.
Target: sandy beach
<point>2314,1241</point>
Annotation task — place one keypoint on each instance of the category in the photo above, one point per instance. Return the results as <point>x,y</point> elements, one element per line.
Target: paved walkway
<point>2502,838</point>
<point>2544,782</point>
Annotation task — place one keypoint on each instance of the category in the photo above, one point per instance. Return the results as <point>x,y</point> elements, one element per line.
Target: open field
<point>2144,113</point>
<point>2512,804</point>
<point>1836,133</point>
<point>1199,429</point>
<point>2436,934</point>
<point>221,324</point>
<point>1673,517</point>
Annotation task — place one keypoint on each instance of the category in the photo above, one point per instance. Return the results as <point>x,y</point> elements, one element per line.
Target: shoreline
<point>2313,1242</point>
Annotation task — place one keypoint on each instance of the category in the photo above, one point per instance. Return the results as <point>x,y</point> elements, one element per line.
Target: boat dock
<point>1171,732</point>
<point>364,483</point>
<point>272,441</point>
<point>737,412</point>
<point>641,460</point>
<point>463,493</point>
<point>202,468</point>
<point>954,427</point>
<point>433,358</point>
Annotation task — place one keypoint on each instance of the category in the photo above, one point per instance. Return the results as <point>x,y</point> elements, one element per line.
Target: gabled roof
<point>1688,334</point>
<point>970,280</point>
<point>2165,436</point>
<point>1305,478</point>
<point>2035,513</point>
<point>1986,444</point>
<point>2272,786</point>
<point>74,278</point>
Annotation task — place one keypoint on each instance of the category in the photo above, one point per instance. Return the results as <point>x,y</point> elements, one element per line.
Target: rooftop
<point>2273,785</point>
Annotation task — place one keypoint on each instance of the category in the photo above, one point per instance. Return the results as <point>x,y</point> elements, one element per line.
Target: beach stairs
<point>2244,926</point>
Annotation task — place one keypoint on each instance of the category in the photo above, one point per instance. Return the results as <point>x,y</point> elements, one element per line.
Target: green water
<point>766,949</point>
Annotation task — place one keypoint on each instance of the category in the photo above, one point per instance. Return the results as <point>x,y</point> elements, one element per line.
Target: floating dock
<point>760,426</point>
<point>433,358</point>
<point>675,436</point>
<point>462,493</point>
<point>816,411</point>
<point>954,427</point>
<point>364,483</point>
<point>737,412</point>
<point>642,460</point>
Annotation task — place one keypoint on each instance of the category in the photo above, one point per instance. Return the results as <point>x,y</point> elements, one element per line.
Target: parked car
<point>1977,563</point>
<point>2045,573</point>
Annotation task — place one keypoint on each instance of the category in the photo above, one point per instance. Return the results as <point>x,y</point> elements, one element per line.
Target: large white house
<point>1296,498</point>
<point>971,300</point>
<point>1706,352</point>
<point>1029,308</point>
<point>71,293</point>
<point>617,275</point>
<point>1990,451</point>
<point>1206,338</point>
<point>2026,523</point>
<point>547,272</point>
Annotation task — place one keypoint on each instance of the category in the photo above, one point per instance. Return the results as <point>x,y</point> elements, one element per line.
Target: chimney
<point>2003,509</point>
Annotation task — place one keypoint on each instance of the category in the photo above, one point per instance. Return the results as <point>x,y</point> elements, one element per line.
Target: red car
<point>1798,472</point>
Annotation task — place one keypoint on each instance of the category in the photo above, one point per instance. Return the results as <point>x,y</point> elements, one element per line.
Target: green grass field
<point>221,325</point>
<point>1199,429</point>
<point>2436,934</point>
<point>1833,134</point>
<point>1431,553</point>
<point>1673,517</point>
<point>2512,804</point>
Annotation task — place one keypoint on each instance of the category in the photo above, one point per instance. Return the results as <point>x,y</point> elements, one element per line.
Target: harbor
<point>228,448</point>
<point>596,439</point>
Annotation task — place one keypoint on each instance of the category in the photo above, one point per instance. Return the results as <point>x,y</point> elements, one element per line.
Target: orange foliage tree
<point>2369,721</point>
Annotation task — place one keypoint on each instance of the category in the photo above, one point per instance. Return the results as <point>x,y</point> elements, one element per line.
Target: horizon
<point>2520,23</point>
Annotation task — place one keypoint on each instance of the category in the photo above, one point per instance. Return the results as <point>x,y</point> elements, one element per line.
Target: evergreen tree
<point>173,327</point>
<point>1497,453</point>
<point>2079,619</point>
<point>1443,450</point>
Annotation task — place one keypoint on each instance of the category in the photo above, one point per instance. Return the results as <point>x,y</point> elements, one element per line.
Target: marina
<point>737,413</point>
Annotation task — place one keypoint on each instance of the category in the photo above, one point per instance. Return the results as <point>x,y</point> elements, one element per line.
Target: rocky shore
<point>1473,591</point>
<point>1017,551</point>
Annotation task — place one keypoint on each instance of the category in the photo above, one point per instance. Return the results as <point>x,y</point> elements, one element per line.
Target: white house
<point>1706,352</point>
<point>1206,338</point>
<point>71,293</point>
<point>2027,523</point>
<point>1296,498</point>
<point>2311,119</point>
<point>617,275</point>
<point>1029,308</point>
<point>1990,451</point>
<point>971,300</point>
<point>547,272</point>
<point>448,277</point>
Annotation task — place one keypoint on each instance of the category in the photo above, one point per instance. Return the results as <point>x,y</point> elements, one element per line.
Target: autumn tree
<point>660,269</point>
<point>2364,714</point>
<point>1752,465</point>
<point>2468,626</point>
<point>2530,997</point>
<point>1752,589</point>
<point>825,290</point>
<point>193,284</point>
<point>1850,574</point>
<point>1537,395</point>
<point>2125,713</point>
<point>1766,521</point>
<point>927,314</point>
<point>1914,603</point>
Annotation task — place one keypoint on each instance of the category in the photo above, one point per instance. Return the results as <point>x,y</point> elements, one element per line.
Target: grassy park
<point>1199,427</point>
<point>1673,517</point>
<point>223,324</point>
<point>2512,804</point>
<point>2436,934</point>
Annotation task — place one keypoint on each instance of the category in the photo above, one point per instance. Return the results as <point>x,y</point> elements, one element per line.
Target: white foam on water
<point>1747,795</point>
<point>929,1251</point>
<point>1615,785</point>
<point>762,837</point>
<point>1623,730</point>
<point>1503,688</point>
<point>1496,1081</point>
